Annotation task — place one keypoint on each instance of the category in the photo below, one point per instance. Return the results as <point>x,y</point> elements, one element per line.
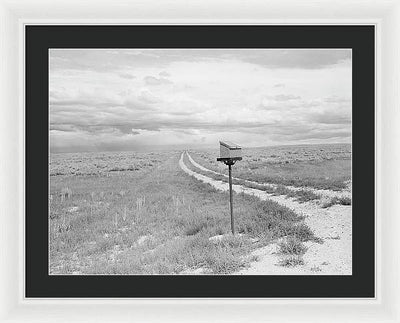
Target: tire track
<point>324,193</point>
<point>333,225</point>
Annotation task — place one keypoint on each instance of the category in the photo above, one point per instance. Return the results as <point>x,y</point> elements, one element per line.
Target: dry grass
<point>103,164</point>
<point>291,261</point>
<point>336,200</point>
<point>157,221</point>
<point>302,195</point>
<point>315,166</point>
<point>292,246</point>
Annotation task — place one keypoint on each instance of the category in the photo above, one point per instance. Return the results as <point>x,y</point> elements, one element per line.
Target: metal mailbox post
<point>229,154</point>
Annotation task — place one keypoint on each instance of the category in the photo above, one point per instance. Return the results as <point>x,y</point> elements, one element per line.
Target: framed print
<point>38,285</point>
<point>135,196</point>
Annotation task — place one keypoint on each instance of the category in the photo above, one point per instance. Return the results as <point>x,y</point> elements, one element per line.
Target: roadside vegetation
<point>102,164</point>
<point>291,250</point>
<point>314,166</point>
<point>336,200</point>
<point>158,220</point>
<point>300,195</point>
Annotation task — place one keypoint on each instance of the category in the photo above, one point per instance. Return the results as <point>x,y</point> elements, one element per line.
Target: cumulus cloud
<point>127,76</point>
<point>151,80</point>
<point>148,97</point>
<point>164,74</point>
<point>104,61</point>
<point>302,59</point>
<point>336,99</point>
<point>126,99</point>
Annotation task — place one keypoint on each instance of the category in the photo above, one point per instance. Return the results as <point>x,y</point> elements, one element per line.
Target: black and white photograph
<point>200,161</point>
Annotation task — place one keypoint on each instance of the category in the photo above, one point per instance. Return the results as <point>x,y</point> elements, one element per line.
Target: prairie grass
<point>336,200</point>
<point>103,164</point>
<point>292,249</point>
<point>292,246</point>
<point>314,166</point>
<point>303,195</point>
<point>291,261</point>
<point>160,224</point>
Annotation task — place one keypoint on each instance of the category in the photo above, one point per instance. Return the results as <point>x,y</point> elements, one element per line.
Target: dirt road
<point>333,225</point>
<point>325,193</point>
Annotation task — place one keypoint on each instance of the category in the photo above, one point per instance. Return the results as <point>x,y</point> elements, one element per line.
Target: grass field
<point>314,166</point>
<point>105,163</point>
<point>302,195</point>
<point>129,213</point>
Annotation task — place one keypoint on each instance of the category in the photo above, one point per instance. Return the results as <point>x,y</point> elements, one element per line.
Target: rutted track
<point>326,193</point>
<point>333,225</point>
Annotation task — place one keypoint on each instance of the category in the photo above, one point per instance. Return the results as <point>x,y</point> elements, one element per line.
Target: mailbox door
<point>224,152</point>
<point>235,153</point>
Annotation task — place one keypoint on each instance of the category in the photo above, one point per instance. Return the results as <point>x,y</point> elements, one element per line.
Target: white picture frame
<point>385,15</point>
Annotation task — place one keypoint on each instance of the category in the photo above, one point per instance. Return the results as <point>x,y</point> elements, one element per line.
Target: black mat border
<point>38,39</point>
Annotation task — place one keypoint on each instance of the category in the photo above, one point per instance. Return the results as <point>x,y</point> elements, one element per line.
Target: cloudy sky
<point>150,99</point>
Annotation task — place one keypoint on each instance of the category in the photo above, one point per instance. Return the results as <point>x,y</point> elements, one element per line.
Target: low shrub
<point>292,246</point>
<point>222,262</point>
<point>291,261</point>
<point>344,200</point>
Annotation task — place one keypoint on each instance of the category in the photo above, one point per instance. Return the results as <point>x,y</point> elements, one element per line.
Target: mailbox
<point>229,150</point>
<point>230,153</point>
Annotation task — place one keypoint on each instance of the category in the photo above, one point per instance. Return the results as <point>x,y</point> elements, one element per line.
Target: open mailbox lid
<point>229,145</point>
<point>230,150</point>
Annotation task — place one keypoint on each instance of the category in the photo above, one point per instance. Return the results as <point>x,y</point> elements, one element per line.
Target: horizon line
<point>155,148</point>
